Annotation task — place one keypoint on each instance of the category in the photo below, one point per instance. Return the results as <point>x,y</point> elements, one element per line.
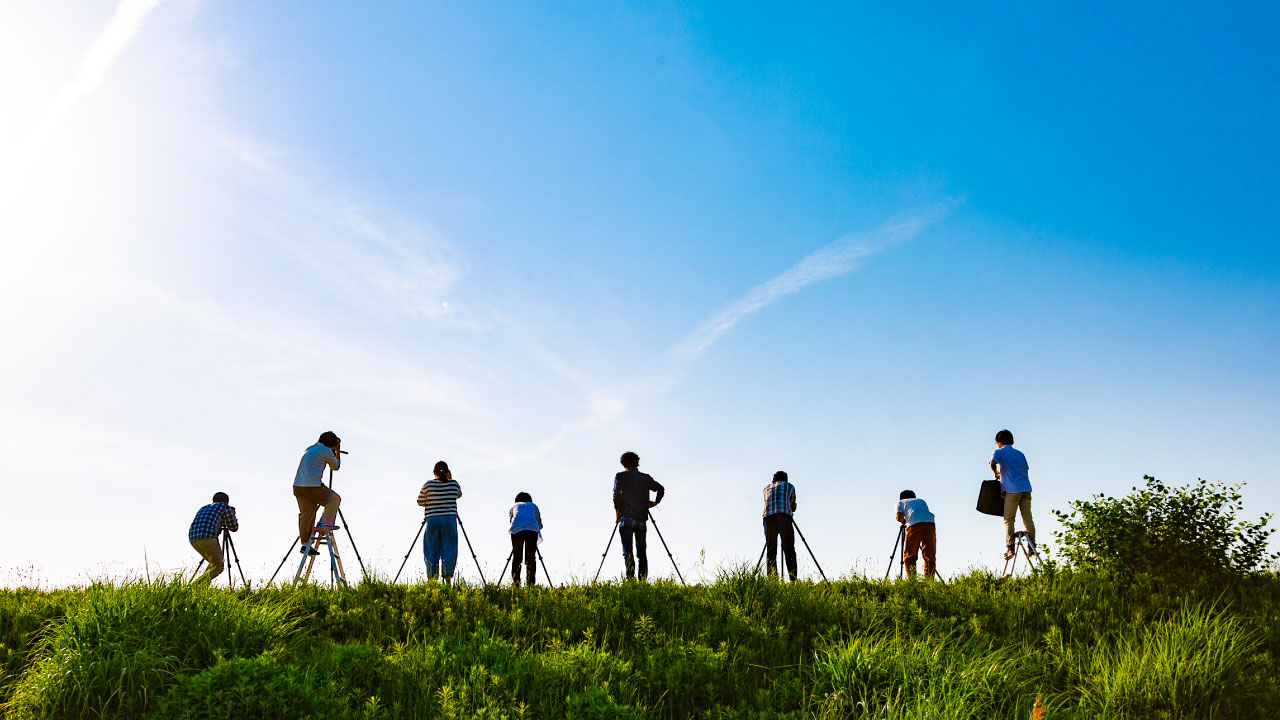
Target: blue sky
<point>850,243</point>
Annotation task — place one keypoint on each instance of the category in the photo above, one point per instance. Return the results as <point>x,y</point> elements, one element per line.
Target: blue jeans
<point>638,530</point>
<point>440,545</point>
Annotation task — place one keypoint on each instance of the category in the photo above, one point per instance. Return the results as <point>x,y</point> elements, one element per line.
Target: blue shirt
<point>1013,469</point>
<point>915,510</point>
<point>311,467</point>
<point>525,516</point>
<point>210,520</point>
<point>631,494</point>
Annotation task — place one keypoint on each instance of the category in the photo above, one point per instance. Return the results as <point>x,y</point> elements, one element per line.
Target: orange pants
<point>922,538</point>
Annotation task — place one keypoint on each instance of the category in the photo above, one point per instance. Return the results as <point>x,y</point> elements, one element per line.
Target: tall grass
<point>741,647</point>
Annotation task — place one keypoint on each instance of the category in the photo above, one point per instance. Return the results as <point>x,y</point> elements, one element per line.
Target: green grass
<point>742,647</point>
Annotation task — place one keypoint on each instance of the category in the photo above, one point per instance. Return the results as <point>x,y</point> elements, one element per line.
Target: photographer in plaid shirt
<point>205,528</point>
<point>779,503</point>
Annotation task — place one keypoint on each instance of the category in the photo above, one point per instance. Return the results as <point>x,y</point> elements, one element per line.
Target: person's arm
<point>617,500</point>
<point>333,460</point>
<point>456,485</point>
<point>229,517</point>
<point>654,486</point>
<point>793,498</point>
<point>995,466</point>
<point>423,496</point>
<point>901,516</point>
<point>538,514</point>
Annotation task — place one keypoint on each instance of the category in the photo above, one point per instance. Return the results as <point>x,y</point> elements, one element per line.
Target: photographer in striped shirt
<point>440,541</point>
<point>203,534</point>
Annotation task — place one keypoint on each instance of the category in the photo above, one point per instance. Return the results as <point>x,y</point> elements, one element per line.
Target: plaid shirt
<point>210,520</point>
<point>779,498</point>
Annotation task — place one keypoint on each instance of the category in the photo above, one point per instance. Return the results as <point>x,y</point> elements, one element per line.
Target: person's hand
<point>652,504</point>
<point>617,517</point>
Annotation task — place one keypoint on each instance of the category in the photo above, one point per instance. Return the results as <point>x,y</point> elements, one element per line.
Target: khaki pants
<point>1013,503</point>
<point>310,498</point>
<point>211,551</point>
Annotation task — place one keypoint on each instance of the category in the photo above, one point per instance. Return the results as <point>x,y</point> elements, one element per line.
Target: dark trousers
<point>524,544</point>
<point>638,530</point>
<point>775,526</point>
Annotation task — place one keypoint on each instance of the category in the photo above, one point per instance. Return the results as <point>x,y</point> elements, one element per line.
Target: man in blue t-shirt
<point>1010,467</point>
<point>922,534</point>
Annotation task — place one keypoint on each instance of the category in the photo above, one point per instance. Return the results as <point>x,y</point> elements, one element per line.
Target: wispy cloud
<point>833,260</point>
<point>119,31</point>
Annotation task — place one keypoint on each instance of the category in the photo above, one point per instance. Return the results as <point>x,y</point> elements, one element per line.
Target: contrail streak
<point>119,31</point>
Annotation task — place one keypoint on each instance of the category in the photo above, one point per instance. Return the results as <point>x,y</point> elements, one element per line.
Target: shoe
<point>1008,554</point>
<point>321,527</point>
<point>313,551</point>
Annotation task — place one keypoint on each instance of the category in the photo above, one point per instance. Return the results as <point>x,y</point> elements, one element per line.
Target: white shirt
<point>311,467</point>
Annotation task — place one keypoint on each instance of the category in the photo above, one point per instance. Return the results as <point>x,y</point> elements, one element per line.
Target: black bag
<point>989,500</point>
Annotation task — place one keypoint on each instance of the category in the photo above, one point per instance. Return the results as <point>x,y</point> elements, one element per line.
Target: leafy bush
<point>1177,533</point>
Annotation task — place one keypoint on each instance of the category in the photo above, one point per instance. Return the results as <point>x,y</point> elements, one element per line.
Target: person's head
<point>1004,437</point>
<point>524,497</point>
<point>330,439</point>
<point>221,497</point>
<point>630,460</point>
<point>907,495</point>
<point>442,470</point>
<point>780,476</point>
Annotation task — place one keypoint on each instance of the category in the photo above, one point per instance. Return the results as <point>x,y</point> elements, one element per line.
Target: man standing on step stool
<point>1010,467</point>
<point>310,491</point>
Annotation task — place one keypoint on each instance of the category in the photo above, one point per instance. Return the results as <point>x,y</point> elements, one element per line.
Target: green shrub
<point>260,687</point>
<point>1178,534</point>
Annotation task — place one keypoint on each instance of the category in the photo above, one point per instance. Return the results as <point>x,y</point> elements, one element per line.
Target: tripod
<point>335,572</point>
<point>902,560</point>
<point>1022,545</point>
<point>664,547</point>
<point>512,554</point>
<point>765,549</point>
<point>228,551</point>
<point>413,544</point>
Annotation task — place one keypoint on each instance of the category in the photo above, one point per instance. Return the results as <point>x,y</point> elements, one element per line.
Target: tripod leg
<point>761,559</point>
<point>226,560</point>
<point>806,547</point>
<point>282,561</point>
<point>902,529</point>
<point>231,543</point>
<point>412,545</point>
<point>664,547</point>
<point>545,575</point>
<point>605,554</point>
<point>472,551</point>
<point>350,539</point>
<point>199,565</point>
<point>503,574</point>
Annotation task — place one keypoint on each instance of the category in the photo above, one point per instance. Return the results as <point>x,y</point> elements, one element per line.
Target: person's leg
<point>306,514</point>
<point>929,548</point>
<point>642,550</point>
<point>331,502</point>
<point>1024,506</point>
<point>530,555</point>
<point>912,547</point>
<point>626,533</point>
<point>788,532</point>
<point>449,552</point>
<point>211,551</point>
<point>517,548</point>
<point>771,544</point>
<point>431,545</point>
<point>1010,508</point>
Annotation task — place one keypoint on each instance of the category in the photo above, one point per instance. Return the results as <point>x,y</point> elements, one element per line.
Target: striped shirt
<point>440,497</point>
<point>779,498</point>
<point>210,520</point>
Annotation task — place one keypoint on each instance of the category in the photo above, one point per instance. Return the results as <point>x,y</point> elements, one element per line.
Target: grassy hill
<point>743,647</point>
